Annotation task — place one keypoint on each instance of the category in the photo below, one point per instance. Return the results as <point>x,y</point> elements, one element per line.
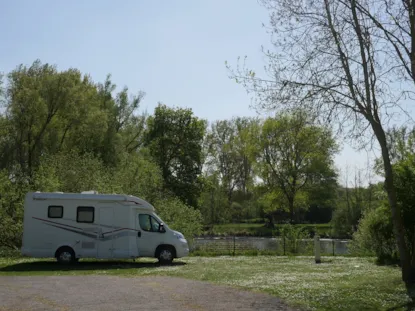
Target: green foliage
<point>71,172</point>
<point>375,232</point>
<point>351,204</point>
<point>213,200</point>
<point>138,175</point>
<point>293,236</point>
<point>179,216</point>
<point>51,111</point>
<point>174,138</point>
<point>404,172</point>
<point>12,193</point>
<point>63,132</point>
<point>375,235</point>
<point>293,155</point>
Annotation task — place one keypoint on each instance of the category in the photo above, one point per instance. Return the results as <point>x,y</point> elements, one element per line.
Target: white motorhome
<point>69,226</point>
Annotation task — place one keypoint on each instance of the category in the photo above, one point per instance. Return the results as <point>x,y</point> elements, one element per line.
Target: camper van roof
<point>95,197</point>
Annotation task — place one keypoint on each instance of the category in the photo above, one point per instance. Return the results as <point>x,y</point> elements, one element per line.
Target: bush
<point>293,236</point>
<point>178,216</point>
<point>11,211</point>
<point>375,236</point>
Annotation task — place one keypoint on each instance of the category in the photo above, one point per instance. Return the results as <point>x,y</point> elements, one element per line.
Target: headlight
<point>179,235</point>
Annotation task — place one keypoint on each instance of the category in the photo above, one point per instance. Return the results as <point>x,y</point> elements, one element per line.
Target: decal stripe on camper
<point>89,235</point>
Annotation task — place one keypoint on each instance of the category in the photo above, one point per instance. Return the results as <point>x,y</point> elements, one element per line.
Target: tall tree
<point>229,143</point>
<point>175,138</point>
<point>222,154</point>
<point>330,59</point>
<point>36,96</point>
<point>50,111</point>
<point>395,21</point>
<point>247,131</point>
<point>293,154</point>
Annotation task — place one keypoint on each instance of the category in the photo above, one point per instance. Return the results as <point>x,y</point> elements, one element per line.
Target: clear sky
<point>172,50</point>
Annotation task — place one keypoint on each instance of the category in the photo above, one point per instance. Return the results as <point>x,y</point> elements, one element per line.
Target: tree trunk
<point>408,270</point>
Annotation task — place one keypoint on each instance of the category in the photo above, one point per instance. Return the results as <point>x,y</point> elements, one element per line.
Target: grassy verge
<point>258,229</point>
<point>337,284</point>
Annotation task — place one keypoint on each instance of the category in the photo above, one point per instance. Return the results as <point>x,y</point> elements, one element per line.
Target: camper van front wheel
<point>165,255</point>
<point>65,255</point>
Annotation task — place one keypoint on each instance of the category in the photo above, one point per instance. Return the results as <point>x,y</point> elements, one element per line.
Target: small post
<point>283,237</point>
<point>317,248</point>
<point>332,242</point>
<point>234,245</point>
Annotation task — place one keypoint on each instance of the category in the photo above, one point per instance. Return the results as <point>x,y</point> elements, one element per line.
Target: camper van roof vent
<point>89,192</point>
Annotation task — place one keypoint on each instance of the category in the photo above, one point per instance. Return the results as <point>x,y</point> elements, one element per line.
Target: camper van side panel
<point>124,232</point>
<point>45,229</point>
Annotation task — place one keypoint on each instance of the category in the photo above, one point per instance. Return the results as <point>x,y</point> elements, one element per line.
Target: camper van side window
<point>85,214</point>
<point>55,211</point>
<point>148,223</point>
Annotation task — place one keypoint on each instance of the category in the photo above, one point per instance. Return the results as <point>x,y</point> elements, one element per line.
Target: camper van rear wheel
<point>65,255</point>
<point>166,255</point>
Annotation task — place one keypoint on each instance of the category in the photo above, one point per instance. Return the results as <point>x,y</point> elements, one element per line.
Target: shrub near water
<point>375,232</point>
<point>375,236</point>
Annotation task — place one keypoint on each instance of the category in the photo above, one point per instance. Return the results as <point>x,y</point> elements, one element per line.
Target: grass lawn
<point>258,229</point>
<point>339,283</point>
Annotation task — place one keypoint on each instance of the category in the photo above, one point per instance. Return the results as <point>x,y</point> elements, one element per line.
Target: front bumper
<point>182,250</point>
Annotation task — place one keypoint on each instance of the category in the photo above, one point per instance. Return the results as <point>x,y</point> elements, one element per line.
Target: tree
<point>395,21</point>
<point>228,143</point>
<point>292,155</point>
<point>213,202</point>
<point>330,60</point>
<point>50,111</point>
<point>35,97</point>
<point>352,202</point>
<point>125,128</point>
<point>222,154</point>
<point>174,138</point>
<point>247,129</point>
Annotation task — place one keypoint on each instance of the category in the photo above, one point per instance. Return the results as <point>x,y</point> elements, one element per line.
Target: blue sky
<point>172,50</point>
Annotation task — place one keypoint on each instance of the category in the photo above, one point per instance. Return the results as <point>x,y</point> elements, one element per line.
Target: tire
<point>65,255</point>
<point>165,256</point>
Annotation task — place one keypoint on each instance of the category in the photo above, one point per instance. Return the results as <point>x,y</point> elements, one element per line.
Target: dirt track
<point>65,293</point>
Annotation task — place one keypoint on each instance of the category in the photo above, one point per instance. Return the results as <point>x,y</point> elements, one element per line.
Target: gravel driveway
<point>65,293</point>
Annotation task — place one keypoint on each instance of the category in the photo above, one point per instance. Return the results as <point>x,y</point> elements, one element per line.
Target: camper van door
<point>105,235</point>
<point>148,237</point>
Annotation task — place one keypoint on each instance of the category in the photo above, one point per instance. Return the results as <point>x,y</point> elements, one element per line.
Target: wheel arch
<point>162,246</point>
<point>60,248</point>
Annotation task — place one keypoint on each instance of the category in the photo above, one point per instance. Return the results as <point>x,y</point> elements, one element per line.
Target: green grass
<point>338,283</point>
<point>258,229</point>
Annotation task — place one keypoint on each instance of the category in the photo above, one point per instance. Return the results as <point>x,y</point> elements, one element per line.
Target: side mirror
<point>161,228</point>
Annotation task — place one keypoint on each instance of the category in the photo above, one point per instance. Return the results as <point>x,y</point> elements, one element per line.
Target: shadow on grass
<point>83,265</point>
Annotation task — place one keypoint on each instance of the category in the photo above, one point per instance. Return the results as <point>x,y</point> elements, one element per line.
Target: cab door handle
<point>139,234</point>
